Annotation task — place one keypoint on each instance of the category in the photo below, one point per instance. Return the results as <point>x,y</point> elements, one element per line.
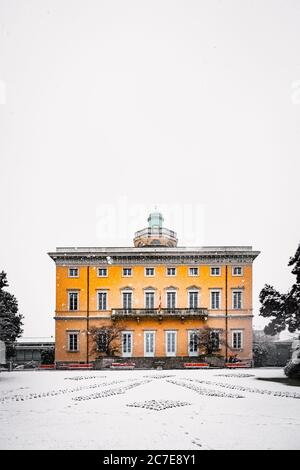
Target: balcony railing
<point>155,231</point>
<point>160,313</point>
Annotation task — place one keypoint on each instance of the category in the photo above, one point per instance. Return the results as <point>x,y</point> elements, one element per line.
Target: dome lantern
<point>155,219</point>
<point>155,234</point>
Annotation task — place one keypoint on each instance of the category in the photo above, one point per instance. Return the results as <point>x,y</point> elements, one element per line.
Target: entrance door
<point>193,343</point>
<point>127,344</point>
<point>149,343</point>
<point>171,340</point>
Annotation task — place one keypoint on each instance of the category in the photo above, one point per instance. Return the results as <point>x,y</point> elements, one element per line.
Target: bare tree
<point>208,340</point>
<point>107,339</point>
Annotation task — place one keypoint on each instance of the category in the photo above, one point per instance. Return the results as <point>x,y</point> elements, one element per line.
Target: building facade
<point>162,294</point>
<point>30,349</point>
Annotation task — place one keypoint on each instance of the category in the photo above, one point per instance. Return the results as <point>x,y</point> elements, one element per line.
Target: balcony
<point>155,236</point>
<point>159,314</point>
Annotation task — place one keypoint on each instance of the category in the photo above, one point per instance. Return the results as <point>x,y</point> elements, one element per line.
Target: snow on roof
<point>36,339</point>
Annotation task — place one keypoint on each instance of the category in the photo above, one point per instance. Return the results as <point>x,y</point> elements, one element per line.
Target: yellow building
<point>163,295</point>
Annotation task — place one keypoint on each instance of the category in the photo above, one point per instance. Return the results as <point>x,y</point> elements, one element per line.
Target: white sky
<point>132,104</point>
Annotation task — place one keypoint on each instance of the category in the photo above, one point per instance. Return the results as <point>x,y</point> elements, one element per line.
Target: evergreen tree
<point>283,309</point>
<point>10,319</point>
<point>48,356</point>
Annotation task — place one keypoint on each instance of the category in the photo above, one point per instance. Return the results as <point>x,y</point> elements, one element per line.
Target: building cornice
<point>158,255</point>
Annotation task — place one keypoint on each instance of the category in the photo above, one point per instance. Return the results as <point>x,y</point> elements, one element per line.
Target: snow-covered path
<point>194,409</point>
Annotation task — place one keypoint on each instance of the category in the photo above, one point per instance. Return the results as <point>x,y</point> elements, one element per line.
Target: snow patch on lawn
<point>158,405</point>
<point>38,410</point>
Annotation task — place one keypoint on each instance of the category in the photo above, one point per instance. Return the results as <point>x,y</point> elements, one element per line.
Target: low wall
<point>158,362</point>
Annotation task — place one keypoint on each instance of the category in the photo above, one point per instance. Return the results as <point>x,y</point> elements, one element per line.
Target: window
<point>237,271</point>
<point>149,343</point>
<point>171,271</point>
<point>193,271</point>
<point>171,340</point>
<point>193,299</point>
<point>149,300</point>
<point>102,342</point>
<point>127,300</point>
<point>171,300</point>
<point>237,339</point>
<point>215,340</point>
<point>102,272</point>
<point>126,344</point>
<point>215,299</point>
<point>127,272</point>
<point>237,299</point>
<point>73,301</point>
<point>102,300</point>
<point>73,272</point>
<point>149,271</point>
<point>193,343</point>
<point>28,355</point>
<point>36,355</point>
<point>215,271</point>
<point>73,343</point>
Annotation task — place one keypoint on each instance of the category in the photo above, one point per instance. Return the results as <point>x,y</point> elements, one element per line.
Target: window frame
<point>123,271</point>
<point>193,267</point>
<point>192,353</point>
<point>145,271</point>
<point>212,291</point>
<point>241,332</point>
<point>127,333</point>
<point>219,272</point>
<point>71,292</point>
<point>175,271</point>
<point>171,291</point>
<point>102,291</point>
<point>124,292</point>
<point>146,292</point>
<point>100,275</point>
<point>193,291</point>
<point>237,275</point>
<point>69,334</point>
<point>171,353</point>
<point>151,353</point>
<point>218,332</point>
<point>69,272</point>
<point>237,291</point>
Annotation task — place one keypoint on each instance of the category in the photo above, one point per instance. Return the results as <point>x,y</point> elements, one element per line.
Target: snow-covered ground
<point>193,409</point>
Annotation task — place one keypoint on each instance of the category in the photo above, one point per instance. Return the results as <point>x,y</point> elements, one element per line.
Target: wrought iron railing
<point>162,312</point>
